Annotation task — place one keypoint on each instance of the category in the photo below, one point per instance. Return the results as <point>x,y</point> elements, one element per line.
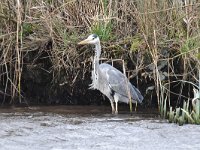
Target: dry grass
<point>159,38</point>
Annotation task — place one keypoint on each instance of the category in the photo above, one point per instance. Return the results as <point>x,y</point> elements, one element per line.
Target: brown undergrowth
<point>159,41</point>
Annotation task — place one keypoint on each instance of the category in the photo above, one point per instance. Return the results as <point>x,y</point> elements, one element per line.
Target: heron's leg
<point>112,105</point>
<point>116,98</point>
<point>116,107</point>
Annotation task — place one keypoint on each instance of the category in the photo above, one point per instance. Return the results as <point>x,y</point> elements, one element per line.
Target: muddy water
<point>88,127</point>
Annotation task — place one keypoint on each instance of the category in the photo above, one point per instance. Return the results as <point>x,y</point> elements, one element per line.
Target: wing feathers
<point>117,82</point>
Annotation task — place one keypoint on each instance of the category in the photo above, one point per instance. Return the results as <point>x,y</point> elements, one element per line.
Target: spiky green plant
<point>185,115</point>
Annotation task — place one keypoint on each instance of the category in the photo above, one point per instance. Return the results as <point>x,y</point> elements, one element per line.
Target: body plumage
<point>110,81</point>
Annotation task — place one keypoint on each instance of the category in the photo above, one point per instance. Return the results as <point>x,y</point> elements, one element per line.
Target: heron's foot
<point>116,112</point>
<point>113,111</point>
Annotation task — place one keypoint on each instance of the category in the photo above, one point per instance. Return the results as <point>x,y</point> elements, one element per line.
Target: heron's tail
<point>135,93</point>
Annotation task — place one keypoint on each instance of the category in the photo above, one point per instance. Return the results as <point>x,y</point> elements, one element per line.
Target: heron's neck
<point>96,57</point>
<point>97,51</point>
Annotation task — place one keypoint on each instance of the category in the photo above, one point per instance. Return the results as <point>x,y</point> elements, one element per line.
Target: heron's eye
<point>93,38</point>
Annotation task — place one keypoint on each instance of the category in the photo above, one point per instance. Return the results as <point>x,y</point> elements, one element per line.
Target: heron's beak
<point>86,41</point>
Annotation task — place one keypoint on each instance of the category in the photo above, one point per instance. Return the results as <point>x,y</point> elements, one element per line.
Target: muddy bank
<point>80,110</point>
<point>41,63</point>
<point>42,130</point>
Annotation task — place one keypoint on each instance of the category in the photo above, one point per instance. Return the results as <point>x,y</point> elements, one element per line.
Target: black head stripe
<point>94,36</point>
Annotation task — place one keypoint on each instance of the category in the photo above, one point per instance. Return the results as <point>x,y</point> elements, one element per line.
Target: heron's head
<point>92,39</point>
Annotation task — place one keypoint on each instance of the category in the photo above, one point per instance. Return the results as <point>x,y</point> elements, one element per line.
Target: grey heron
<point>110,81</point>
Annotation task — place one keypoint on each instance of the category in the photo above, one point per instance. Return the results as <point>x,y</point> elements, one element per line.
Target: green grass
<point>190,44</point>
<point>27,29</point>
<point>103,30</point>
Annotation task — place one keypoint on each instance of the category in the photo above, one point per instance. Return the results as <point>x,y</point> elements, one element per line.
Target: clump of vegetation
<point>188,113</point>
<point>103,29</point>
<point>185,115</point>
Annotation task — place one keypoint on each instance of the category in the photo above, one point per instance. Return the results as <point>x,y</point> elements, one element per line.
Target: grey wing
<point>117,82</point>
